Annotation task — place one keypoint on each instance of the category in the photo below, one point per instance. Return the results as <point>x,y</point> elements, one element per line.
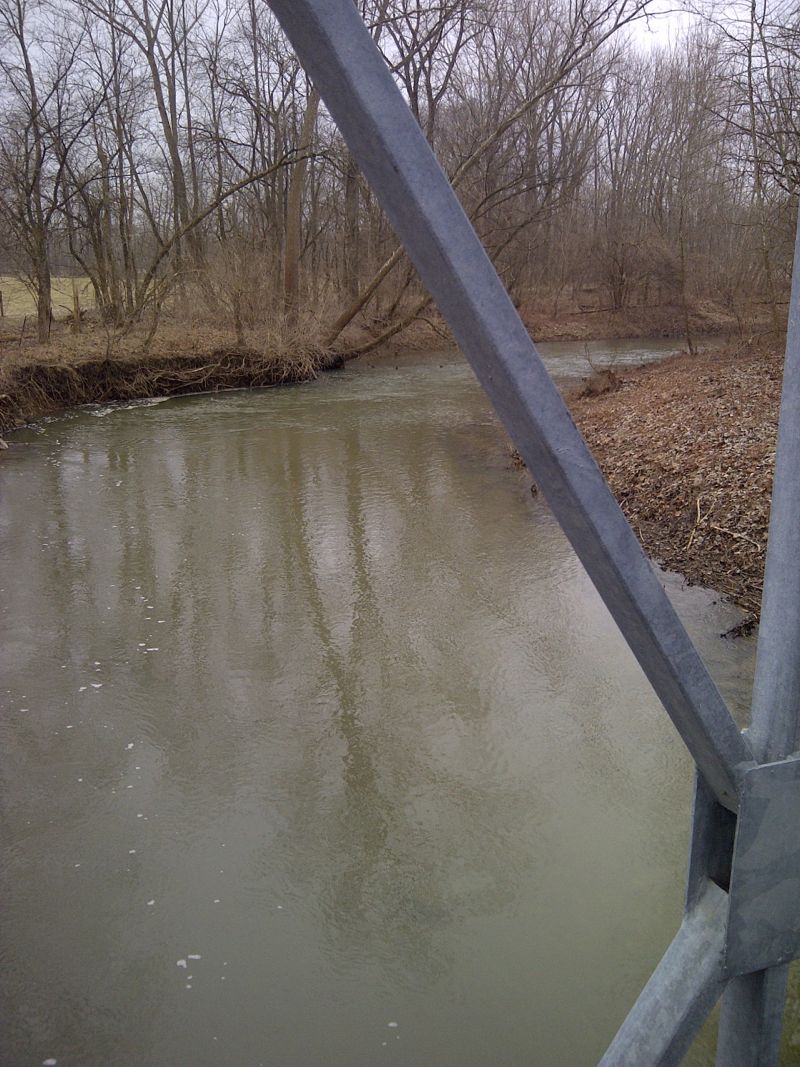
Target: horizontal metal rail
<point>347,68</point>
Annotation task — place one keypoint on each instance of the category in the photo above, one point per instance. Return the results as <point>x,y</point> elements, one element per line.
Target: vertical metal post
<point>752,1007</point>
<point>751,1020</point>
<point>776,691</point>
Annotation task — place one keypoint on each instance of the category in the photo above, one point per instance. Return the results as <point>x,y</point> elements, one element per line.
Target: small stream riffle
<point>319,748</point>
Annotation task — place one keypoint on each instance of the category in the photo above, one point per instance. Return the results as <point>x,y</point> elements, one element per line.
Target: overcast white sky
<point>661,28</point>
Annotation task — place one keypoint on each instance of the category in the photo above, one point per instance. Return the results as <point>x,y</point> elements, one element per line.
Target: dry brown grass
<point>195,343</point>
<point>101,365</point>
<point>19,301</point>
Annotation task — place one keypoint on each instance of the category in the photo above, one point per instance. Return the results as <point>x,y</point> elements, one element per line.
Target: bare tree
<point>36,58</point>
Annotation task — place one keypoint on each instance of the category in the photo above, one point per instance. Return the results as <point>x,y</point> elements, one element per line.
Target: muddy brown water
<point>318,746</point>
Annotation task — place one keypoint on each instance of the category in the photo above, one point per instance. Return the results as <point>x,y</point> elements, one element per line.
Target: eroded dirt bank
<point>688,446</point>
<point>33,390</point>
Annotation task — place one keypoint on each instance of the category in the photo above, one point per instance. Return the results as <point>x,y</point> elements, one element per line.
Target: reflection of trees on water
<point>374,674</point>
<point>349,671</point>
<point>409,843</point>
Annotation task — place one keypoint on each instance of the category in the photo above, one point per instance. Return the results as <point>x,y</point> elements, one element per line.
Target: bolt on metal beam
<point>345,65</point>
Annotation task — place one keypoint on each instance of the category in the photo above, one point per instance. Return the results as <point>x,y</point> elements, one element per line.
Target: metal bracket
<point>764,916</point>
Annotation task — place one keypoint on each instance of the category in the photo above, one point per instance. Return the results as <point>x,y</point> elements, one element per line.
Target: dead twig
<point>696,524</point>
<point>737,535</point>
<point>699,520</point>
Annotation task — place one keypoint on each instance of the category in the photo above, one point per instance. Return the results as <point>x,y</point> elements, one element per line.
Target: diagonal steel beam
<point>681,992</point>
<point>338,53</point>
<point>752,1009</point>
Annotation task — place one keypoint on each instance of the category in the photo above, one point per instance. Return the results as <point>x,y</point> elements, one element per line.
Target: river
<point>319,748</point>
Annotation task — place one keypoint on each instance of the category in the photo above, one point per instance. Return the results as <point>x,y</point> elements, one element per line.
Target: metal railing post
<point>752,1008</point>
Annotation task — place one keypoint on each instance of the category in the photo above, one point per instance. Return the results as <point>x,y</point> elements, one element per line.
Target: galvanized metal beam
<point>764,898</point>
<point>752,1010</point>
<point>751,1020</point>
<point>346,66</point>
<point>776,690</point>
<point>683,989</point>
<point>711,848</point>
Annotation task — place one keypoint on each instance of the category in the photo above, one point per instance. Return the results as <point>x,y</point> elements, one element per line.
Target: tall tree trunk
<point>687,328</point>
<point>294,212</point>
<point>44,306</point>
<point>758,186</point>
<point>351,235</point>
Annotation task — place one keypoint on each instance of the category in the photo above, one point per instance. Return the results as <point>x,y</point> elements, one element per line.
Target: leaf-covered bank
<point>688,447</point>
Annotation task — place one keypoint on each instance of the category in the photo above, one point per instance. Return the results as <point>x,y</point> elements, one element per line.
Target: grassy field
<point>18,300</point>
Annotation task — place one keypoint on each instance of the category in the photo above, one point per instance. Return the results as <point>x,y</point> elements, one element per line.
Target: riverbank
<point>569,320</point>
<point>41,382</point>
<point>688,447</point>
<point>687,443</point>
<point>190,353</point>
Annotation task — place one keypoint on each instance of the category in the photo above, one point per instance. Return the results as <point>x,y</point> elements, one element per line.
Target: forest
<point>173,153</point>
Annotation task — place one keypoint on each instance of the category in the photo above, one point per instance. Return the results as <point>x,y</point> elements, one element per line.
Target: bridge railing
<point>742,918</point>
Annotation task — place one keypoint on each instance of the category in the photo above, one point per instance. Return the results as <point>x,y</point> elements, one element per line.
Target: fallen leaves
<point>688,447</point>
